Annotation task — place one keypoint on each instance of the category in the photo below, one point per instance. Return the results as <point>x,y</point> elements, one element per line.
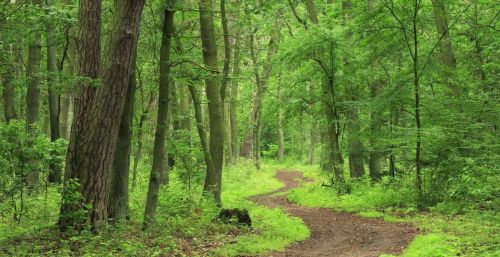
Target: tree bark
<point>118,203</point>
<point>281,133</point>
<point>224,84</point>
<point>33,93</point>
<point>234,95</point>
<point>89,49</point>
<point>140,126</point>
<point>52,81</point>
<point>314,126</point>
<point>253,133</point>
<point>7,69</point>
<point>159,156</point>
<point>66,98</point>
<point>446,56</point>
<point>333,131</point>
<point>330,109</point>
<point>92,162</point>
<point>376,116</point>
<point>354,144</point>
<point>201,130</point>
<point>215,107</point>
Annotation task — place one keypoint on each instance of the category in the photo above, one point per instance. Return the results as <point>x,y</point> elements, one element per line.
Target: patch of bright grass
<point>186,224</point>
<point>275,229</point>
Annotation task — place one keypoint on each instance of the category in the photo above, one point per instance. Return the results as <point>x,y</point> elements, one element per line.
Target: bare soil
<point>338,234</point>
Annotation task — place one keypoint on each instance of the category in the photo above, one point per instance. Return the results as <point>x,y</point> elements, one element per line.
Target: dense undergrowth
<point>449,228</point>
<point>186,224</point>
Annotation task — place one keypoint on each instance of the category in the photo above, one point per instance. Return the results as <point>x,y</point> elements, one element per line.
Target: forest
<point>250,128</point>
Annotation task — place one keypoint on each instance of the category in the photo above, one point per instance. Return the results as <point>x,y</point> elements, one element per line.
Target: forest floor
<point>335,233</point>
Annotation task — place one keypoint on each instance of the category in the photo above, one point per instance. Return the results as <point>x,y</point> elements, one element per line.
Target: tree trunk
<point>376,118</point>
<point>66,98</point>
<point>225,82</point>
<point>92,162</point>
<point>326,158</point>
<point>227,130</point>
<point>416,82</point>
<point>33,94</point>
<point>7,70</point>
<point>376,154</point>
<point>261,85</point>
<point>354,144</point>
<point>201,130</point>
<point>447,56</point>
<point>314,127</point>
<point>215,107</point>
<point>184,109</point>
<point>118,196</point>
<point>333,135</point>
<point>329,104</point>
<point>140,126</point>
<point>159,157</point>
<point>52,81</point>
<point>234,95</point>
<point>89,49</point>
<point>281,133</point>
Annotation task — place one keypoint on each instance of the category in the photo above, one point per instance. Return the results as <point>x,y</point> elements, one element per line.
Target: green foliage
<point>21,154</point>
<point>184,219</point>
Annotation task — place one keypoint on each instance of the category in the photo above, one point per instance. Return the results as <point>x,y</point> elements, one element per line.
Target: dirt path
<point>338,234</point>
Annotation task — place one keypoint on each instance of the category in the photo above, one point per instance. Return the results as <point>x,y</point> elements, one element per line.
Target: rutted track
<point>338,234</point>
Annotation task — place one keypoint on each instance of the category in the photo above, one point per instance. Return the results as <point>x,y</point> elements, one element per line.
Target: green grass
<point>474,233</point>
<point>186,224</point>
<point>275,229</point>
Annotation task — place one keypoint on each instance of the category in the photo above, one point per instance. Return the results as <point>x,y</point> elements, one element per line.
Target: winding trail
<point>338,234</point>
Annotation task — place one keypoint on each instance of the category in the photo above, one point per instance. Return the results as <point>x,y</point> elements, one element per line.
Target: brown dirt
<point>338,234</point>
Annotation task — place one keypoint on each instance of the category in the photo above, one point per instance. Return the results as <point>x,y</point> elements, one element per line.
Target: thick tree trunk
<point>92,163</point>
<point>215,107</point>
<point>159,157</point>
<point>376,118</point>
<point>52,81</point>
<point>354,144</point>
<point>326,157</point>
<point>89,49</point>
<point>118,196</point>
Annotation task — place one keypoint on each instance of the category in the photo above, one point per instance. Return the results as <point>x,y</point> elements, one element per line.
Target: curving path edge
<point>338,234</point>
